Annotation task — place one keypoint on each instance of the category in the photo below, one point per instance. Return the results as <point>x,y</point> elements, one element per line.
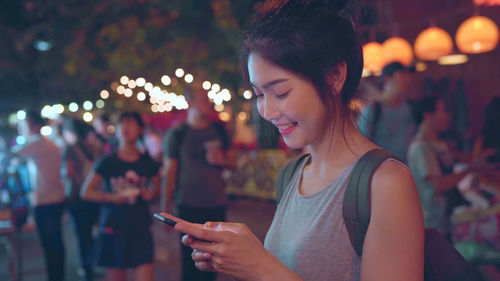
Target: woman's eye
<point>283,95</point>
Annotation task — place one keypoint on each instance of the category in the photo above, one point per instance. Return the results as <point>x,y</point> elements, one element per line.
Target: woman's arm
<point>394,244</point>
<point>234,250</point>
<point>91,191</point>
<point>150,194</point>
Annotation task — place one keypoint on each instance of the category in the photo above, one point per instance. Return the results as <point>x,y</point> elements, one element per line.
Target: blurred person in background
<point>194,156</point>
<point>44,165</point>
<point>431,163</point>
<point>390,122</point>
<point>130,180</point>
<point>105,133</point>
<point>78,156</point>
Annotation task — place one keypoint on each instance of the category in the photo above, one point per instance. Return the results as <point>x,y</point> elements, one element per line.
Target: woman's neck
<point>128,152</point>
<point>339,149</point>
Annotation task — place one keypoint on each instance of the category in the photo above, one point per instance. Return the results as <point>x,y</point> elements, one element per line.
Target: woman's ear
<point>336,77</point>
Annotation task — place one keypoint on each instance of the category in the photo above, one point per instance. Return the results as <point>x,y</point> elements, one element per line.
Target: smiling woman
<point>303,62</point>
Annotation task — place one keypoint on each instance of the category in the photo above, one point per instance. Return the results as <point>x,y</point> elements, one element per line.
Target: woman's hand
<point>147,194</point>
<point>231,248</point>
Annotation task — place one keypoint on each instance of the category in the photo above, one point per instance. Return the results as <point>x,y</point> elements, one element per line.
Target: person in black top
<point>78,156</point>
<point>125,240</point>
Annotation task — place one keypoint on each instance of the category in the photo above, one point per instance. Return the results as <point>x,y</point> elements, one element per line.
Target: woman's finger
<point>205,266</point>
<point>200,232</point>
<point>201,256</point>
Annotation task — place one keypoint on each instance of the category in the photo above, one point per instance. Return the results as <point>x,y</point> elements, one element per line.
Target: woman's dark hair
<point>309,38</point>
<point>424,105</point>
<point>131,114</point>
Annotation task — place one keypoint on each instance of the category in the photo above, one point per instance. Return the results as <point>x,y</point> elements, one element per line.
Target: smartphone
<point>164,219</point>
<point>170,222</point>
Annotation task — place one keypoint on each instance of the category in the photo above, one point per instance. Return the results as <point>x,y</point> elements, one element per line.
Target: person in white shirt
<point>43,159</point>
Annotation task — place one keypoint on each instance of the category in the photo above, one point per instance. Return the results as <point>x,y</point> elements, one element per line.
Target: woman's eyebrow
<point>270,83</point>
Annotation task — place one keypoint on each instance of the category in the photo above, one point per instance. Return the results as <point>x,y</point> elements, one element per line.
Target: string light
<point>179,72</point>
<point>247,94</point>
<point>165,79</point>
<point>120,90</point>
<point>215,87</point>
<point>21,115</point>
<point>206,85</point>
<point>140,82</point>
<point>46,111</point>
<point>58,108</point>
<point>141,96</point>
<point>87,117</point>
<point>224,116</point>
<point>188,78</point>
<point>242,116</point>
<point>99,104</point>
<point>124,80</point>
<point>104,94</point>
<point>219,107</point>
<point>73,107</point>
<point>128,93</point>
<point>87,105</point>
<point>132,84</point>
<point>46,131</point>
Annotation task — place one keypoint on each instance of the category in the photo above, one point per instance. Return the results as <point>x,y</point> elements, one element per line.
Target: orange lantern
<point>477,35</point>
<point>397,49</point>
<point>433,43</point>
<point>373,57</point>
<point>487,2</point>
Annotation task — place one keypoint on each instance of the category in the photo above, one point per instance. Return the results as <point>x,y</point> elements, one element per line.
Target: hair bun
<point>335,6</point>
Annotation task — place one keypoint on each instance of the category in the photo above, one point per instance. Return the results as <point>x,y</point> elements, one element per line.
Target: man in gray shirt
<point>389,122</point>
<point>195,154</point>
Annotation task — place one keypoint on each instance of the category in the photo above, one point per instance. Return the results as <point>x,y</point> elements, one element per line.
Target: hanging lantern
<point>433,43</point>
<point>397,49</point>
<point>373,57</point>
<point>477,35</point>
<point>487,2</point>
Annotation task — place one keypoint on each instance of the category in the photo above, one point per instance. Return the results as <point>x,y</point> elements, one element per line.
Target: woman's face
<point>288,101</point>
<point>129,130</point>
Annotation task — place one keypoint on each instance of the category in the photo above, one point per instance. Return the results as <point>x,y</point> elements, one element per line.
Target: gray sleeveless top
<point>308,233</point>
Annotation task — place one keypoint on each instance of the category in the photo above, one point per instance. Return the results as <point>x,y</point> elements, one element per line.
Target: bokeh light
<point>46,131</point>
<point>165,79</point>
<point>104,94</point>
<point>124,80</point>
<point>21,115</point>
<point>179,72</point>
<point>99,104</point>
<point>206,85</point>
<point>87,117</point>
<point>73,107</point>
<point>87,105</point>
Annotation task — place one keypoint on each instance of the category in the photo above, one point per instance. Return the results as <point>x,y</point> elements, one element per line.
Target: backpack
<point>442,261</point>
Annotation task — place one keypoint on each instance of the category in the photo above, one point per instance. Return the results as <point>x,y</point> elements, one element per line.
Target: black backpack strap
<point>356,207</point>
<point>285,176</point>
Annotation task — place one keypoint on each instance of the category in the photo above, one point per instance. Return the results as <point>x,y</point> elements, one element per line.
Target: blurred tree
<point>58,51</point>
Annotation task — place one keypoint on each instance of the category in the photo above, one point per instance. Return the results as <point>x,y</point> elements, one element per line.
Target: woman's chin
<point>293,144</point>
